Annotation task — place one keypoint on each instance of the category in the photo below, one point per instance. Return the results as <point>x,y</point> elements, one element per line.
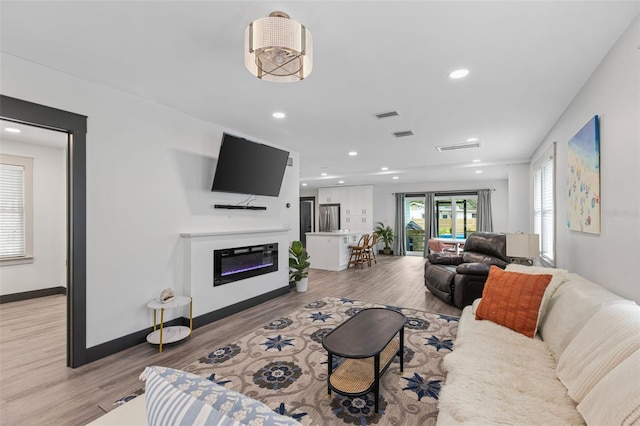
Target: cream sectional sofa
<point>583,366</point>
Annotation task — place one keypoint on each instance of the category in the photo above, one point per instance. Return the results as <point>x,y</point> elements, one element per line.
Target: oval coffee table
<point>367,342</point>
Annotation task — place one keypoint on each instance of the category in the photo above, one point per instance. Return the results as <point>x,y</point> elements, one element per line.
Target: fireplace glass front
<point>238,263</point>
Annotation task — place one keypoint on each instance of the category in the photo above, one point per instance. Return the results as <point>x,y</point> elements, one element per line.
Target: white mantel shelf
<point>233,232</point>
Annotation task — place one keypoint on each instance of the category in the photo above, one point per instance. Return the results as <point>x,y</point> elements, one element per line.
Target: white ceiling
<point>527,60</point>
<point>33,135</point>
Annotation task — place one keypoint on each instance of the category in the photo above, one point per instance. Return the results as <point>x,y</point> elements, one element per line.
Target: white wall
<point>384,199</point>
<point>519,198</point>
<point>149,173</point>
<point>49,221</point>
<point>199,276</point>
<point>612,92</point>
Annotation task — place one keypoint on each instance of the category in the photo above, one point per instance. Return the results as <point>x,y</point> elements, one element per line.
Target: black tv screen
<point>246,167</point>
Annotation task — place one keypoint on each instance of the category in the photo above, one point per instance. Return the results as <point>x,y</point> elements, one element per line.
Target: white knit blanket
<point>498,376</point>
<point>607,339</point>
<point>615,400</point>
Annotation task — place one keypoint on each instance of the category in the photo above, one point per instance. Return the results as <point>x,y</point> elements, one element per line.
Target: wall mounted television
<point>246,167</point>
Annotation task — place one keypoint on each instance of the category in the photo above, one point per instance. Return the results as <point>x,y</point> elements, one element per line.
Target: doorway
<point>307,217</point>
<point>75,126</point>
<point>456,216</point>
<point>414,224</point>
<point>34,199</point>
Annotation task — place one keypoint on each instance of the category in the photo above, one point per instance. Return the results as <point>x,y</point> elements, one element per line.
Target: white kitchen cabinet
<point>330,250</point>
<point>359,223</point>
<point>356,206</point>
<point>360,200</point>
<point>337,195</point>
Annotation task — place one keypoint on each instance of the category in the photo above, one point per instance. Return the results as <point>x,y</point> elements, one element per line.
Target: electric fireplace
<point>238,263</point>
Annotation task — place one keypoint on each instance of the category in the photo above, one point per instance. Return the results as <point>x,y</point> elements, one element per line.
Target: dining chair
<point>358,252</point>
<point>370,251</point>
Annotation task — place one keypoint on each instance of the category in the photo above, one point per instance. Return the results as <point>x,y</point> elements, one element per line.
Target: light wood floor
<point>36,387</point>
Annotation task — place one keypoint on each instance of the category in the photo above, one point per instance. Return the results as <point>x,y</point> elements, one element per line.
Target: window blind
<point>12,211</point>
<point>543,205</point>
<point>547,211</point>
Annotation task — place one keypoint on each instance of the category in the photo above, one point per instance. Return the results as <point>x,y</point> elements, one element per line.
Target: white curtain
<point>485,220</point>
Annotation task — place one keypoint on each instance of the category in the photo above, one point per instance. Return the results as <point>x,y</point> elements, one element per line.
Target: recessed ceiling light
<point>384,168</point>
<point>396,177</point>
<point>304,184</point>
<point>472,140</point>
<point>477,160</point>
<point>459,73</point>
<point>340,181</point>
<point>12,130</point>
<point>278,115</point>
<point>353,153</point>
<point>478,171</point>
<point>323,174</point>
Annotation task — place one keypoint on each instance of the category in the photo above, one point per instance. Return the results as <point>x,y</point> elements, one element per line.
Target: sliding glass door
<point>414,224</point>
<point>456,216</point>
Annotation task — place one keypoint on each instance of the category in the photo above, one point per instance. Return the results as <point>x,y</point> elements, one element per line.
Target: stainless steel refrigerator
<point>329,217</point>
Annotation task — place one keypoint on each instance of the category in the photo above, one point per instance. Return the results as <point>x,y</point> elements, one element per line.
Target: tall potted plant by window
<point>299,265</point>
<point>385,233</point>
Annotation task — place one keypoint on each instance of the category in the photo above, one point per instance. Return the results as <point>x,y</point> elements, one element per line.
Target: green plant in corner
<point>385,233</point>
<point>298,261</point>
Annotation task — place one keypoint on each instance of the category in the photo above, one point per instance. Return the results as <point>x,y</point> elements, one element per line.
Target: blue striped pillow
<point>176,397</point>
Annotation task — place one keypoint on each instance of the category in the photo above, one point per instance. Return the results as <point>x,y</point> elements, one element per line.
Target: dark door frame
<point>313,215</point>
<point>75,125</point>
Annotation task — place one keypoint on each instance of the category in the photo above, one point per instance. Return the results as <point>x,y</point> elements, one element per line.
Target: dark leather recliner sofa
<point>459,279</point>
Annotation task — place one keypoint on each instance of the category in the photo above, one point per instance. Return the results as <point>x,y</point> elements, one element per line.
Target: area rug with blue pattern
<point>284,365</point>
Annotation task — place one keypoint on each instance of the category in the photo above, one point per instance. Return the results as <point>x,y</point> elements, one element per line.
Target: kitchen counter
<point>330,250</point>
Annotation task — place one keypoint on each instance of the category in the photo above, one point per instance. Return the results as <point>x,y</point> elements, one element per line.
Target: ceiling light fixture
<point>384,168</point>
<point>278,49</point>
<point>12,130</point>
<point>396,177</point>
<point>472,140</point>
<point>353,153</point>
<point>459,73</point>
<point>477,160</point>
<point>278,115</point>
<point>323,174</point>
<point>304,184</point>
<point>478,171</point>
<point>444,148</point>
<point>340,181</point>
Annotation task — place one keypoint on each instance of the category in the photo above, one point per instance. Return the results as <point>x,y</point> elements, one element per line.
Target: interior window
<point>543,204</point>
<point>16,224</point>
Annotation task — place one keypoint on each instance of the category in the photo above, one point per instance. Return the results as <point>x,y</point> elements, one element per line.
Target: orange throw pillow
<point>513,299</point>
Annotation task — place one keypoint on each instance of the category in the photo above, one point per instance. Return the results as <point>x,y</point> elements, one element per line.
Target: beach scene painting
<point>583,179</point>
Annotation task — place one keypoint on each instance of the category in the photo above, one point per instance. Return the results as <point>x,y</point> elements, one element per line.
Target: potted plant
<point>385,233</point>
<point>298,266</point>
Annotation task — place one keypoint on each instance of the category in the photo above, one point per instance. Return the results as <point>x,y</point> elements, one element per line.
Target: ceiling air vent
<point>455,147</point>
<point>387,114</point>
<point>403,134</point>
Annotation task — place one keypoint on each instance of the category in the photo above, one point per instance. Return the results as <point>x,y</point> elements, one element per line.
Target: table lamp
<point>522,248</point>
